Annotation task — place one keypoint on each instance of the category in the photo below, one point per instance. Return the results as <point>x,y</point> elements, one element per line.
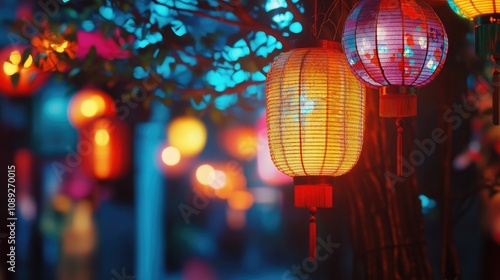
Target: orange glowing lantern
<point>240,142</point>
<point>106,147</point>
<point>88,104</point>
<point>30,78</point>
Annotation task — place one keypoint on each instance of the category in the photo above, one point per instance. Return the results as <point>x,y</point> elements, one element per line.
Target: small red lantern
<point>106,148</point>
<point>30,78</point>
<point>89,104</point>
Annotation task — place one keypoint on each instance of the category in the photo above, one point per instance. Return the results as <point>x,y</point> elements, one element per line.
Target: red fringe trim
<point>314,196</point>
<point>398,105</point>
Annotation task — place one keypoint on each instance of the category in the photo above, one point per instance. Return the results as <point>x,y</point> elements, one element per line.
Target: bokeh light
<point>109,146</point>
<point>62,203</point>
<point>203,174</point>
<point>89,104</point>
<point>171,156</point>
<point>240,200</point>
<point>219,179</point>
<point>30,78</point>
<point>240,142</point>
<point>188,135</point>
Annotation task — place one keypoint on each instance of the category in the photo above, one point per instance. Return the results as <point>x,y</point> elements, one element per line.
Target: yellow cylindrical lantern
<point>315,119</point>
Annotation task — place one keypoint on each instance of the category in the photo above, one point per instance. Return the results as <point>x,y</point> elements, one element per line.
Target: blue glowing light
<point>106,12</point>
<point>225,101</point>
<point>296,27</point>
<point>88,25</point>
<point>178,27</point>
<point>275,4</point>
<point>427,203</point>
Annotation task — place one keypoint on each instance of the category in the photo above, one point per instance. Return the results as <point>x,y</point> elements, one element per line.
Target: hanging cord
<point>399,147</point>
<point>496,92</point>
<point>312,233</point>
<point>314,27</point>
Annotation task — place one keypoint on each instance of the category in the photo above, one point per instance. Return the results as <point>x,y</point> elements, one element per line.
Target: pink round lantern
<point>396,46</point>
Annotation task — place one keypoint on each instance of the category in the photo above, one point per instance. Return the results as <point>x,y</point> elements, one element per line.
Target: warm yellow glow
<point>240,200</point>
<point>28,62</point>
<point>188,135</point>
<point>89,108</point>
<point>59,47</point>
<point>82,217</point>
<point>203,174</point>
<point>61,203</point>
<point>315,113</point>
<point>171,156</point>
<point>241,142</point>
<point>10,69</point>
<point>89,104</point>
<point>15,57</point>
<point>217,179</point>
<point>101,137</point>
<point>474,8</point>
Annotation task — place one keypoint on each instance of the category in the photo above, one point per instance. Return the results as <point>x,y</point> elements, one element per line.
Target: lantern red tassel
<point>312,233</point>
<point>398,102</point>
<point>312,192</point>
<point>399,147</point>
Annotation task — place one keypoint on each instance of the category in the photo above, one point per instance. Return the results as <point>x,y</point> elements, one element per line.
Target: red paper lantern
<point>30,77</point>
<point>106,148</point>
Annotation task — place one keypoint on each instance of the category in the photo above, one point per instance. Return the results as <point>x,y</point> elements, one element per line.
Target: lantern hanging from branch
<point>107,141</point>
<point>315,118</point>
<point>487,33</point>
<point>396,46</point>
<point>28,78</point>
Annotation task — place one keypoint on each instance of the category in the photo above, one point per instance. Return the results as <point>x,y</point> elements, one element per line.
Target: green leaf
<point>15,79</point>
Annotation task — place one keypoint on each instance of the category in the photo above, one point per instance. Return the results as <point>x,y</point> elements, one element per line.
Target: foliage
<point>211,54</point>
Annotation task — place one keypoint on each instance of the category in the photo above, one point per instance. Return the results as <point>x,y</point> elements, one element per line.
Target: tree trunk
<point>386,222</point>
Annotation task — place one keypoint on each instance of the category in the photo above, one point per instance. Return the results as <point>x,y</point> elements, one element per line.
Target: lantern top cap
<point>312,43</point>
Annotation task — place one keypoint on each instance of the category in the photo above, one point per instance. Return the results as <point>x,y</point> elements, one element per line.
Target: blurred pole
<point>150,195</point>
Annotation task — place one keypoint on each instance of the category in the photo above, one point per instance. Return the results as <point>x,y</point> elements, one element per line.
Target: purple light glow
<point>399,43</point>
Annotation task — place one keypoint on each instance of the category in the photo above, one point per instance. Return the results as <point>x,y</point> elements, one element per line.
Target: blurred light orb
<point>171,156</point>
<point>30,78</point>
<point>240,142</point>
<point>62,203</point>
<point>240,200</point>
<point>101,137</point>
<point>109,148</point>
<point>217,179</point>
<point>89,104</point>
<point>203,174</point>
<point>188,135</point>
